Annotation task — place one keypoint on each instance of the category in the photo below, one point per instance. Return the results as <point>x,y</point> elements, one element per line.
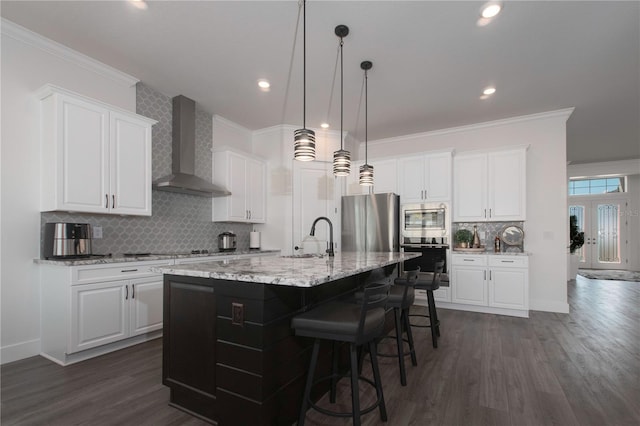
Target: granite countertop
<point>120,258</point>
<point>289,271</point>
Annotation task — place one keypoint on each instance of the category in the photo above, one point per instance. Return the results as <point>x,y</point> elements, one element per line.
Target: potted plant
<point>576,240</point>
<point>463,238</point>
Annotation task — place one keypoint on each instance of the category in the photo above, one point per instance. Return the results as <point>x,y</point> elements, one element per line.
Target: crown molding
<point>19,33</point>
<point>231,124</point>
<point>292,128</point>
<point>562,113</point>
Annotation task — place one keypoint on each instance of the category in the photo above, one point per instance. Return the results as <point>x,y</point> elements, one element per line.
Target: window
<point>597,186</point>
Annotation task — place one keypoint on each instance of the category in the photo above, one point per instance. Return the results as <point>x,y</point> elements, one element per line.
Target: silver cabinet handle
<point>467,260</point>
<point>489,212</point>
<point>126,297</point>
<point>133,291</point>
<point>106,201</point>
<point>489,275</point>
<point>506,261</point>
<point>485,275</point>
<point>485,213</point>
<point>113,201</point>
<point>129,270</point>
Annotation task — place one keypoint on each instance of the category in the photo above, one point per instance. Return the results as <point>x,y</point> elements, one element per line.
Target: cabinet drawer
<point>467,260</point>
<point>114,271</point>
<point>509,261</point>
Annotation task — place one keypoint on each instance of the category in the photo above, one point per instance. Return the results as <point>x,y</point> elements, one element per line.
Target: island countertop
<point>294,271</point>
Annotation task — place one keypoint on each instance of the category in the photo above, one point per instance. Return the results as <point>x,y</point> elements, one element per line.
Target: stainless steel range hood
<point>183,178</point>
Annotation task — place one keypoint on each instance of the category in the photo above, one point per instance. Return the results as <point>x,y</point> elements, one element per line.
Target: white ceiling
<point>431,61</point>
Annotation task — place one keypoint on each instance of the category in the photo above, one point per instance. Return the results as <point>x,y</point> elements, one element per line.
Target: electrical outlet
<point>97,232</point>
<point>237,313</point>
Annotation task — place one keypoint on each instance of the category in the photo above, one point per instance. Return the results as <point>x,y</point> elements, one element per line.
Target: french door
<point>605,233</point>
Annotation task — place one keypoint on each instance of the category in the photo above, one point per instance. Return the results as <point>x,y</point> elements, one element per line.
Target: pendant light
<point>341,158</point>
<point>366,170</point>
<point>304,139</point>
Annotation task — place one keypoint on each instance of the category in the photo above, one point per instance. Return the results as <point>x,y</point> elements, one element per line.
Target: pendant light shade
<point>341,158</point>
<point>341,162</point>
<point>366,170</point>
<point>305,145</point>
<point>304,148</point>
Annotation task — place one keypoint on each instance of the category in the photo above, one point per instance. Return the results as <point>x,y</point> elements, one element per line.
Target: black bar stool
<point>357,324</point>
<point>401,297</point>
<point>430,286</point>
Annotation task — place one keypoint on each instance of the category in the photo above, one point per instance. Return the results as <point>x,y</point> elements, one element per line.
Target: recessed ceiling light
<point>140,4</point>
<point>325,125</point>
<point>491,10</point>
<point>264,84</point>
<point>489,91</point>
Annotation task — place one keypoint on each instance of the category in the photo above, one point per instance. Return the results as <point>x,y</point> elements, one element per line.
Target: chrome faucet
<point>313,231</point>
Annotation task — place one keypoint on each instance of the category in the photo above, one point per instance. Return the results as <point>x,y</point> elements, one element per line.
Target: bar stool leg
<point>432,318</point>
<point>355,389</point>
<point>307,388</point>
<point>400,345</point>
<point>334,371</point>
<point>376,377</point>
<point>407,327</point>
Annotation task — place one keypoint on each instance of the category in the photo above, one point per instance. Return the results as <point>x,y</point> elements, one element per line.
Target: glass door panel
<point>604,243</point>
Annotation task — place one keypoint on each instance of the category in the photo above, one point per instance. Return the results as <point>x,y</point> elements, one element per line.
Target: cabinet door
<point>508,288</point>
<point>469,188</point>
<point>507,185</point>
<point>130,166</point>
<point>411,179</point>
<point>237,180</point>
<point>256,188</point>
<point>385,176</point>
<point>83,152</point>
<point>437,170</point>
<point>469,285</point>
<point>145,305</point>
<point>99,314</point>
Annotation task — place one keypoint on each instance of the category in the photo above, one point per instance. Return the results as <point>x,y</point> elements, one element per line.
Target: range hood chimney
<point>183,178</point>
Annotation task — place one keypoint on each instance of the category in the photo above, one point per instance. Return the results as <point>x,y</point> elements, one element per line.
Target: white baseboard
<point>19,351</point>
<point>549,306</point>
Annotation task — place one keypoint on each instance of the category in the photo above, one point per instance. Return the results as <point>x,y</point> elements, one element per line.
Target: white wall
<point>29,62</point>
<point>546,227</point>
<point>228,133</point>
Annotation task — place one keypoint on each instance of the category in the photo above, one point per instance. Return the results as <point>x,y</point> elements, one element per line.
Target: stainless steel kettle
<point>227,241</point>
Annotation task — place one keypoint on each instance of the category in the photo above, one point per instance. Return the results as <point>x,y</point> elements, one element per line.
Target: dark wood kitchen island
<point>229,354</point>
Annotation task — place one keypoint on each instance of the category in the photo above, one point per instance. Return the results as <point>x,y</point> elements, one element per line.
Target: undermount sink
<point>303,256</point>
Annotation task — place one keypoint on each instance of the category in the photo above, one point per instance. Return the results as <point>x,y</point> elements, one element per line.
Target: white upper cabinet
<point>490,186</point>
<point>95,158</point>
<point>245,177</point>
<point>424,178</point>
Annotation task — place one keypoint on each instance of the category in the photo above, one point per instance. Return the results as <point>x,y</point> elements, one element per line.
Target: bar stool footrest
<point>437,324</point>
<point>395,355</point>
<point>344,414</point>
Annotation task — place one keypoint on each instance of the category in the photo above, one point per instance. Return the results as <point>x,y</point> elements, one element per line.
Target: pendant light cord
<point>341,92</point>
<point>304,64</point>
<point>366,117</point>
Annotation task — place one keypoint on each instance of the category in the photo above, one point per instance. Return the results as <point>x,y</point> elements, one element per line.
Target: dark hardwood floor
<point>551,369</point>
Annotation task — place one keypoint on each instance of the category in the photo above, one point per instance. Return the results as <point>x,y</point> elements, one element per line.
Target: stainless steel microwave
<point>426,220</point>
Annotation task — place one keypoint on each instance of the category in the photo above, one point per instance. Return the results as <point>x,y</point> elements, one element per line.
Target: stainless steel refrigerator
<point>371,222</point>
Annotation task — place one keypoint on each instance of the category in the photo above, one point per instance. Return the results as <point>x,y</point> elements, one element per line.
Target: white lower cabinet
<point>499,283</point>
<point>94,309</point>
<point>107,312</point>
